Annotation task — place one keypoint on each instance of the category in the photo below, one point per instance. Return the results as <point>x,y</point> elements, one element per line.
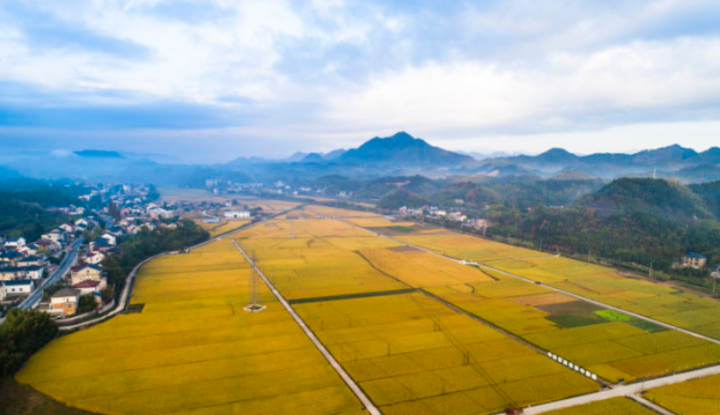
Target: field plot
<point>192,350</point>
<point>333,212</point>
<point>468,247</point>
<point>610,344</point>
<point>413,355</point>
<point>664,303</point>
<point>215,229</point>
<point>619,406</point>
<point>319,260</point>
<point>698,396</point>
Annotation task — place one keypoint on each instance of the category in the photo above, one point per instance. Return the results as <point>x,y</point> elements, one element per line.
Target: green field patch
<point>612,315</point>
<point>646,325</point>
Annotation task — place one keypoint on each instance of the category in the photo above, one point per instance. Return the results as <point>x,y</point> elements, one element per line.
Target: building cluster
<point>438,214</point>
<point>24,265</point>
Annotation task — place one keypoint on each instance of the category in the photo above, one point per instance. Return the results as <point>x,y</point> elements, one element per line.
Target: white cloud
<point>567,90</point>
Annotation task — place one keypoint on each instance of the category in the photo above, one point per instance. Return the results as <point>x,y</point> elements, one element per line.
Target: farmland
<point>215,229</point>
<point>698,396</point>
<point>612,345</point>
<point>191,349</point>
<point>661,302</point>
<point>419,333</point>
<point>409,352</point>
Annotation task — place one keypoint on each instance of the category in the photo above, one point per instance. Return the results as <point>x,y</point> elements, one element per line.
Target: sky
<point>211,80</point>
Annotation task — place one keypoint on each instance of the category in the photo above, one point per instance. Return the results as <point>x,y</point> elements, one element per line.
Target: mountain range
<point>397,155</point>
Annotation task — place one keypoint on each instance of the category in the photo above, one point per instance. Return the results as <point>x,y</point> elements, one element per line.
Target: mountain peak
<point>557,155</point>
<point>403,148</point>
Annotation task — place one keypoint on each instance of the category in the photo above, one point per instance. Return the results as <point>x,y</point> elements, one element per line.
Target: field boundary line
<point>650,405</point>
<point>352,296</point>
<point>354,387</point>
<point>560,290</point>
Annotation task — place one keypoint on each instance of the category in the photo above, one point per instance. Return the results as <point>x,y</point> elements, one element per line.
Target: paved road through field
<point>354,387</point>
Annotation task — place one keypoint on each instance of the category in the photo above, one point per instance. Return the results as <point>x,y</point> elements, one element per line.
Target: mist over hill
<point>398,155</point>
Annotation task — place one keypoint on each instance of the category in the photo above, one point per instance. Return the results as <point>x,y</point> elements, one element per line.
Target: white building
<point>15,242</point>
<point>17,287</point>
<point>112,240</point>
<point>237,214</point>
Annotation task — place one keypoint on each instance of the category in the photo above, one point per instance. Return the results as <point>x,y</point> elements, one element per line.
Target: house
<point>19,287</point>
<point>693,260</point>
<point>55,235</point>
<point>81,222</point>
<point>31,249</point>
<point>15,242</point>
<point>11,257</point>
<point>3,291</point>
<point>112,240</point>
<point>49,246</point>
<point>237,214</point>
<point>100,244</point>
<point>65,301</point>
<point>84,272</point>
<point>33,272</point>
<point>30,261</point>
<point>95,257</point>
<point>66,227</point>
<point>160,213</point>
<point>91,287</point>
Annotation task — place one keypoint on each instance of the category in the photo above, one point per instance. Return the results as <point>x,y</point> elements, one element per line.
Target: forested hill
<point>23,204</point>
<point>657,196</point>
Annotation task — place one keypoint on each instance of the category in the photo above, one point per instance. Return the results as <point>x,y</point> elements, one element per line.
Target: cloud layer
<point>487,75</point>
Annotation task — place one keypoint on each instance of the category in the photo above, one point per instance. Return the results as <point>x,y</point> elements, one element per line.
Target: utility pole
<point>650,271</point>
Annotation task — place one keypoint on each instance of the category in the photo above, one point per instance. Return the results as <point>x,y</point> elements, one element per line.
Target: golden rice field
<point>698,396</point>
<point>612,345</point>
<point>215,229</point>
<point>379,222</point>
<point>664,303</point>
<point>340,213</point>
<point>319,261</point>
<point>619,406</point>
<point>413,355</point>
<point>192,350</point>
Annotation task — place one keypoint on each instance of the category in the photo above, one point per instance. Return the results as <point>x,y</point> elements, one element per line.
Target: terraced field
<point>192,350</point>
<point>698,396</point>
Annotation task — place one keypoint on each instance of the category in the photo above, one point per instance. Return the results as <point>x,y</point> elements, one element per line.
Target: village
<point>62,272</point>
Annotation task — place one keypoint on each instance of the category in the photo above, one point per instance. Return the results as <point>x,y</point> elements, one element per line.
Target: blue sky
<point>210,80</point>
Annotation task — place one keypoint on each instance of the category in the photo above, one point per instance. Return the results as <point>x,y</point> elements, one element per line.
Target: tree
<point>23,333</point>
<point>87,303</point>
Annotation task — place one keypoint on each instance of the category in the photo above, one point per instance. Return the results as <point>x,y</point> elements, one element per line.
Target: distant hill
<point>403,149</point>
<point>658,196</point>
<point>99,154</point>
